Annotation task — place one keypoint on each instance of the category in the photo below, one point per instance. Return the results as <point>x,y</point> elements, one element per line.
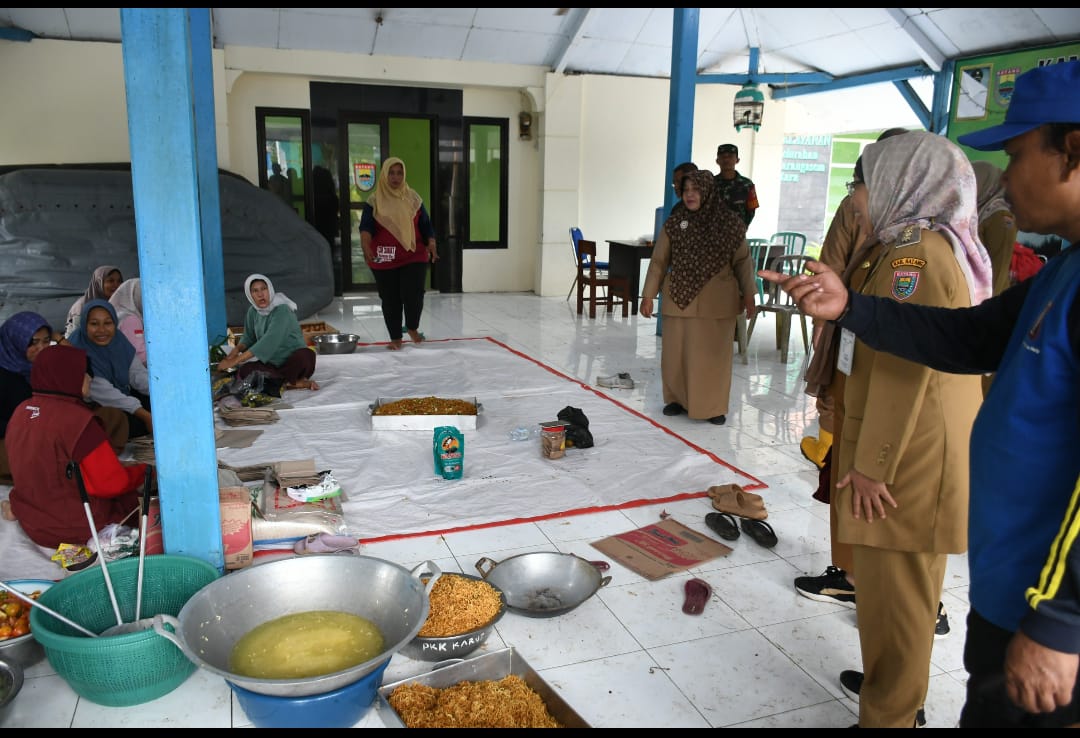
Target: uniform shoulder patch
<point>909,261</point>
<point>910,236</point>
<point>904,284</point>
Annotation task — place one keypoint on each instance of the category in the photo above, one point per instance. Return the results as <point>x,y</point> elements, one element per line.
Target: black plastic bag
<point>577,427</point>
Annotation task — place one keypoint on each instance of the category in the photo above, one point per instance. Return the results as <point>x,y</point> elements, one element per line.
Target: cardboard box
<point>236,534</point>
<point>661,548</point>
<point>236,526</point>
<point>155,544</point>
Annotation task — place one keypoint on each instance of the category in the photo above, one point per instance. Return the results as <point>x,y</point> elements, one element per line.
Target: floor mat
<point>389,479</point>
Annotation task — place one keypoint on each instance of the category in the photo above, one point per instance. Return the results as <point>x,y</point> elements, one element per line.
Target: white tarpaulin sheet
<point>389,477</point>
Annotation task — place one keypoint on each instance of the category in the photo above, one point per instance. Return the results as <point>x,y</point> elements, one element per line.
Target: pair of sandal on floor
<point>733,501</point>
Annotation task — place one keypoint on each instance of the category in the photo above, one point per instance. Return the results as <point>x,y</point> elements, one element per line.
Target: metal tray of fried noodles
<point>422,422</point>
<point>490,666</point>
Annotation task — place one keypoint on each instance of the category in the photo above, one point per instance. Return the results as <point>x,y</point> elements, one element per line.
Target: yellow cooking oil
<point>306,644</point>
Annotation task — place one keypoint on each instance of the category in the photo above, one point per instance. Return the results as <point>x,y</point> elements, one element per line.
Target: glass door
<point>367,139</point>
<point>365,144</point>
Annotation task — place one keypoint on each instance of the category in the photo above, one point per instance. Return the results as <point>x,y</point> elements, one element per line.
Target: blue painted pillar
<point>684,40</point>
<point>159,72</point>
<point>202,76</point>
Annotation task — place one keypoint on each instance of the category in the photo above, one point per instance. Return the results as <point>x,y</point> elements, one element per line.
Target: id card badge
<point>847,351</point>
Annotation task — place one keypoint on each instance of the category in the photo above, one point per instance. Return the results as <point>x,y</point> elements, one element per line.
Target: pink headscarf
<point>925,180</point>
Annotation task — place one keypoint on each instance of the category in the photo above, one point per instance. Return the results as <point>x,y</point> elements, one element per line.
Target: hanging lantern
<point>748,108</point>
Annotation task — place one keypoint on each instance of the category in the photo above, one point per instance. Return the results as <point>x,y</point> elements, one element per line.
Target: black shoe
<point>673,408</point>
<point>941,627</point>
<point>832,586</point>
<point>851,682</point>
<point>718,420</point>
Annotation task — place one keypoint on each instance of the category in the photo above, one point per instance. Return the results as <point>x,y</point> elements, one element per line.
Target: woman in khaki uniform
<point>903,451</point>
<point>702,263</point>
<point>997,229</point>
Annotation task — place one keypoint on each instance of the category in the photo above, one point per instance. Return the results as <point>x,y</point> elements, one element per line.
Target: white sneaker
<point>616,381</point>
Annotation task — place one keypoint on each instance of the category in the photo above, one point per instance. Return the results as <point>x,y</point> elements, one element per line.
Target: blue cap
<point>1049,94</point>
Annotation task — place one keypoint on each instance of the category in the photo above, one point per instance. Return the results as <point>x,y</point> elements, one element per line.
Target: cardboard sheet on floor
<point>661,548</point>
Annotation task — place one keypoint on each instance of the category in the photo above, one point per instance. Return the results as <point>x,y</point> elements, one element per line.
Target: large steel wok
<point>543,584</point>
<point>217,616</point>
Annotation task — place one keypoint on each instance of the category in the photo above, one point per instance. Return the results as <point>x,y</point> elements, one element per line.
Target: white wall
<point>597,159</point>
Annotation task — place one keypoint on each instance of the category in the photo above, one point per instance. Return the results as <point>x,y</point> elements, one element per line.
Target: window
<point>487,140</point>
<point>283,138</point>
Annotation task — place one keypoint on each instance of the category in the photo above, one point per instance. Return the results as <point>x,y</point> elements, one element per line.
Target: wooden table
<point>624,260</point>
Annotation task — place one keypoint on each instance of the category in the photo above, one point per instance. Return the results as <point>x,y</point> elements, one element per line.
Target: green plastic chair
<point>759,250</point>
<point>794,242</point>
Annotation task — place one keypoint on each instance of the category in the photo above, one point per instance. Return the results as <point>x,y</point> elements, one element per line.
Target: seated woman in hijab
<point>120,379</point>
<point>103,283</point>
<point>128,303</point>
<point>22,337</point>
<point>51,429</point>
<point>273,338</point>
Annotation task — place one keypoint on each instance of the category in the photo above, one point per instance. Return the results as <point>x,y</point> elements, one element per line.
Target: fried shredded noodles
<point>506,703</point>
<point>459,605</point>
<point>426,406</point>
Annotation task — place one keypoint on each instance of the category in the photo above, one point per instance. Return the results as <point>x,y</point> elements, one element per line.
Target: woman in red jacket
<point>54,427</point>
<point>398,241</point>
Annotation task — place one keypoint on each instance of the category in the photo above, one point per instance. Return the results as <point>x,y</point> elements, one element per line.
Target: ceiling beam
<point>855,80</point>
<point>576,31</point>
<point>931,54</point>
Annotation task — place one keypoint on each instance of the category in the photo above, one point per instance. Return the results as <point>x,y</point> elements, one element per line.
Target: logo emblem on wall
<point>1006,81</point>
<point>364,172</point>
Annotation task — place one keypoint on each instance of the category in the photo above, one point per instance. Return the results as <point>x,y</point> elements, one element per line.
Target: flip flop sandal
<point>760,531</point>
<point>324,543</point>
<point>723,525</point>
<point>698,593</point>
<point>731,498</point>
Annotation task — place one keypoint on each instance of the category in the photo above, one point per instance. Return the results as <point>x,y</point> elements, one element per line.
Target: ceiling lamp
<point>748,108</point>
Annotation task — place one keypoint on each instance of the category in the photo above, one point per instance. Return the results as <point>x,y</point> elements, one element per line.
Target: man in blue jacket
<point>1023,630</point>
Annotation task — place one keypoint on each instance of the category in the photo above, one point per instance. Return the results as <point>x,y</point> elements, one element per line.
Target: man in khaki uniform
<point>902,458</point>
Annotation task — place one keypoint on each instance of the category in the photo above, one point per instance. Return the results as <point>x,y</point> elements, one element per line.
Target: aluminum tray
<point>493,666</point>
<point>422,422</point>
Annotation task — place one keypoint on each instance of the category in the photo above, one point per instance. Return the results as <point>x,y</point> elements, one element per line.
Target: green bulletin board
<point>982,89</point>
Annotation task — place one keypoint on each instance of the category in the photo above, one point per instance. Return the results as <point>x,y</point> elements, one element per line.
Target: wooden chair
<point>781,304</point>
<point>603,288</point>
<point>575,236</point>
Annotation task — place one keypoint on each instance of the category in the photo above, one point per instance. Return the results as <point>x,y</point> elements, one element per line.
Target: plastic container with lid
<point>552,440</point>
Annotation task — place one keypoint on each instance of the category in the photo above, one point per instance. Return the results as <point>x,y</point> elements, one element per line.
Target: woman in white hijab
<point>273,341</point>
<point>128,303</point>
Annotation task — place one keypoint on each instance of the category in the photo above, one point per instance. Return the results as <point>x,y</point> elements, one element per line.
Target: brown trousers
<point>898,595</point>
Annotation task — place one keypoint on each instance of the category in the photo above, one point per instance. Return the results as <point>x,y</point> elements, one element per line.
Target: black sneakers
<point>941,627</point>
<point>832,586</point>
<point>851,682</point>
<point>673,408</point>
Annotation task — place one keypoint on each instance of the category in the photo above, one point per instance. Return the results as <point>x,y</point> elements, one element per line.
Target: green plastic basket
<point>128,669</point>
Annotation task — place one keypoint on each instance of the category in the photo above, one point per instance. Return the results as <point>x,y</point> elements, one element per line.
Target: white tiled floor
<point>759,656</point>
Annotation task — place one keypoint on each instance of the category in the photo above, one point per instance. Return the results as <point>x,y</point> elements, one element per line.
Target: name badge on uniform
<point>846,353</point>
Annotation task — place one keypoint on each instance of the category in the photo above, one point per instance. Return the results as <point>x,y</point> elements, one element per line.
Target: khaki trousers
<point>898,595</point>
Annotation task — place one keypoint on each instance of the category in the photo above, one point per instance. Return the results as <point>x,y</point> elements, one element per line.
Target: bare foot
<point>5,510</point>
<point>416,336</point>
<point>394,345</point>
<point>303,384</point>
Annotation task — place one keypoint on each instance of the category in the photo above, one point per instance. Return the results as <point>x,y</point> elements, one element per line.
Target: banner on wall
<point>983,86</point>
<point>982,91</point>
